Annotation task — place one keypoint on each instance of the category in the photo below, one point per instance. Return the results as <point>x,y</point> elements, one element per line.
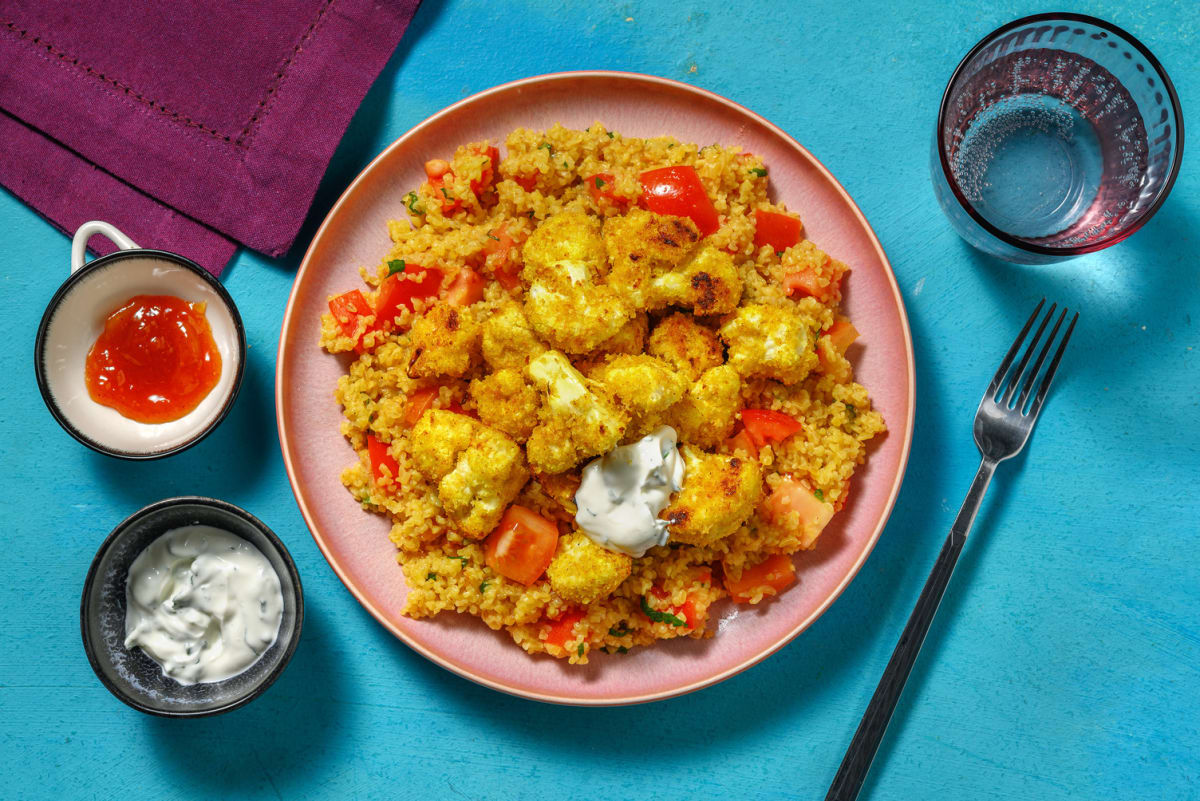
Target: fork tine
<point>1040,397</point>
<point>1008,357</point>
<point>1037,366</point>
<point>1010,390</point>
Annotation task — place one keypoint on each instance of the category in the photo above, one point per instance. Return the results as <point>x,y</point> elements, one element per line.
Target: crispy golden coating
<point>477,469</point>
<point>770,342</point>
<point>631,339</point>
<point>708,283</point>
<point>707,414</point>
<point>508,339</point>
<point>642,246</point>
<point>578,417</point>
<point>445,342</point>
<point>583,572</point>
<point>568,304</point>
<point>719,494</point>
<point>689,347</point>
<point>645,386</point>
<point>561,487</point>
<point>505,401</point>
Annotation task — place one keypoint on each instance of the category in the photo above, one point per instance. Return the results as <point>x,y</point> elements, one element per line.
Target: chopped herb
<point>548,146</point>
<point>395,266</point>
<point>445,194</point>
<point>759,171</point>
<point>851,411</point>
<point>820,494</point>
<point>431,576</point>
<point>493,238</point>
<point>670,146</point>
<point>661,617</point>
<point>779,253</point>
<point>600,182</point>
<point>413,201</point>
<point>462,559</point>
<point>371,419</point>
<point>566,166</point>
<point>621,632</point>
<point>366,498</point>
<point>483,586</point>
<point>579,650</point>
<point>610,134</point>
<point>529,214</point>
<point>621,649</point>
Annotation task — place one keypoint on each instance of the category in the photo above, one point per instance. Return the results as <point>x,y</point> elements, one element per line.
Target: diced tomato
<point>436,168</point>
<point>527,182</point>
<point>467,288</point>
<point>499,247</point>
<point>805,282</point>
<point>418,403</point>
<point>842,334</point>
<point>678,191</point>
<point>522,545</point>
<point>741,441</point>
<point>766,425</point>
<point>780,231</point>
<point>563,629</point>
<point>602,187</point>
<point>775,572</point>
<point>488,171</point>
<point>812,513</point>
<point>450,203</point>
<point>378,453</point>
<point>399,289</point>
<point>347,308</point>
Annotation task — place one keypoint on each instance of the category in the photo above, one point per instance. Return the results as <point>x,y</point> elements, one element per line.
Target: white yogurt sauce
<point>203,603</point>
<point>624,491</point>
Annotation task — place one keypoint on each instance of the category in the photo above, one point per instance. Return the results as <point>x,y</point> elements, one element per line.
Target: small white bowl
<point>75,317</point>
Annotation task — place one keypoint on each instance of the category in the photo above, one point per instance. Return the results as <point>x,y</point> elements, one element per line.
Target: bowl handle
<point>90,229</point>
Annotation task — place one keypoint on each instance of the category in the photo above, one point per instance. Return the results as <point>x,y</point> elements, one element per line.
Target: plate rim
<point>551,697</point>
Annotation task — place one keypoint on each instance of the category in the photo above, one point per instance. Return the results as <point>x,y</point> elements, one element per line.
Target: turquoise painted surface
<point>1065,662</point>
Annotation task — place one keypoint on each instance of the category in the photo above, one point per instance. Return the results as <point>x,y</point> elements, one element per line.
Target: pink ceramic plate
<point>355,234</point>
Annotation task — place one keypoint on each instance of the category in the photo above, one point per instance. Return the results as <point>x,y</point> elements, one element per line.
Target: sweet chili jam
<point>155,360</point>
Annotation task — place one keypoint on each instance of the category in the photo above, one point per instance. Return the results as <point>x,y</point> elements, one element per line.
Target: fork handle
<point>853,770</point>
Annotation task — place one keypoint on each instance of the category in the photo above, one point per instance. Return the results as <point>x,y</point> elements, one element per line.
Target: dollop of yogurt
<point>203,603</point>
<point>624,491</point>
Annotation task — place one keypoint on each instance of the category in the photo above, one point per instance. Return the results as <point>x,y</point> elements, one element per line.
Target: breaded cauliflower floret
<point>477,469</point>
<point>708,283</point>
<point>706,415</point>
<point>508,339</point>
<point>631,339</point>
<point>645,386</point>
<point>689,347</point>
<point>582,572</point>
<point>445,342</point>
<point>507,402</point>
<point>579,417</point>
<point>719,494</point>
<point>568,304</point>
<point>642,246</point>
<point>770,342</point>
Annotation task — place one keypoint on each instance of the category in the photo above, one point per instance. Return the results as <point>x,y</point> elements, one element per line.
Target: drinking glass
<point>1058,134</point>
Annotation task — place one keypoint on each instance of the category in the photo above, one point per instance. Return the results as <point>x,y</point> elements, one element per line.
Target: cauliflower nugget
<point>707,414</point>
<point>645,386</point>
<point>568,304</point>
<point>505,401</point>
<point>770,342</point>
<point>477,469</point>
<point>719,494</point>
<point>508,339</point>
<point>583,572</point>
<point>578,418</point>
<point>686,345</point>
<point>707,283</point>
<point>445,342</point>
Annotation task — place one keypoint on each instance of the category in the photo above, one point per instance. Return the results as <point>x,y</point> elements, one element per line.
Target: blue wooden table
<point>1065,662</point>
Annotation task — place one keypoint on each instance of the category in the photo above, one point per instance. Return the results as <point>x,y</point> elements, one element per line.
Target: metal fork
<point>1002,427</point>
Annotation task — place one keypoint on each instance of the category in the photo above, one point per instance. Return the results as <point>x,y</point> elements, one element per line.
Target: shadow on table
<point>273,745</point>
<point>231,462</point>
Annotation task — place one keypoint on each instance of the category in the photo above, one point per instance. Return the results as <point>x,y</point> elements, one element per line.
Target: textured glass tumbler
<point>1058,134</point>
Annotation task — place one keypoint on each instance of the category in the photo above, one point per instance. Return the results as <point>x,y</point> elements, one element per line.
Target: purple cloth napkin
<point>191,126</point>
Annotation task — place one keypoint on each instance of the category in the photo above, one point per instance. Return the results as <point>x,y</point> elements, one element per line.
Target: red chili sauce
<point>155,360</point>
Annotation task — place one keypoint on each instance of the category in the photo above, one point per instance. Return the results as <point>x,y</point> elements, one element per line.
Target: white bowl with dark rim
<point>129,673</point>
<point>75,317</point>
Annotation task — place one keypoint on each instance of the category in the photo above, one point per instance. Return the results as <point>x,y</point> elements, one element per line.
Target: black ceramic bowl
<point>130,674</point>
